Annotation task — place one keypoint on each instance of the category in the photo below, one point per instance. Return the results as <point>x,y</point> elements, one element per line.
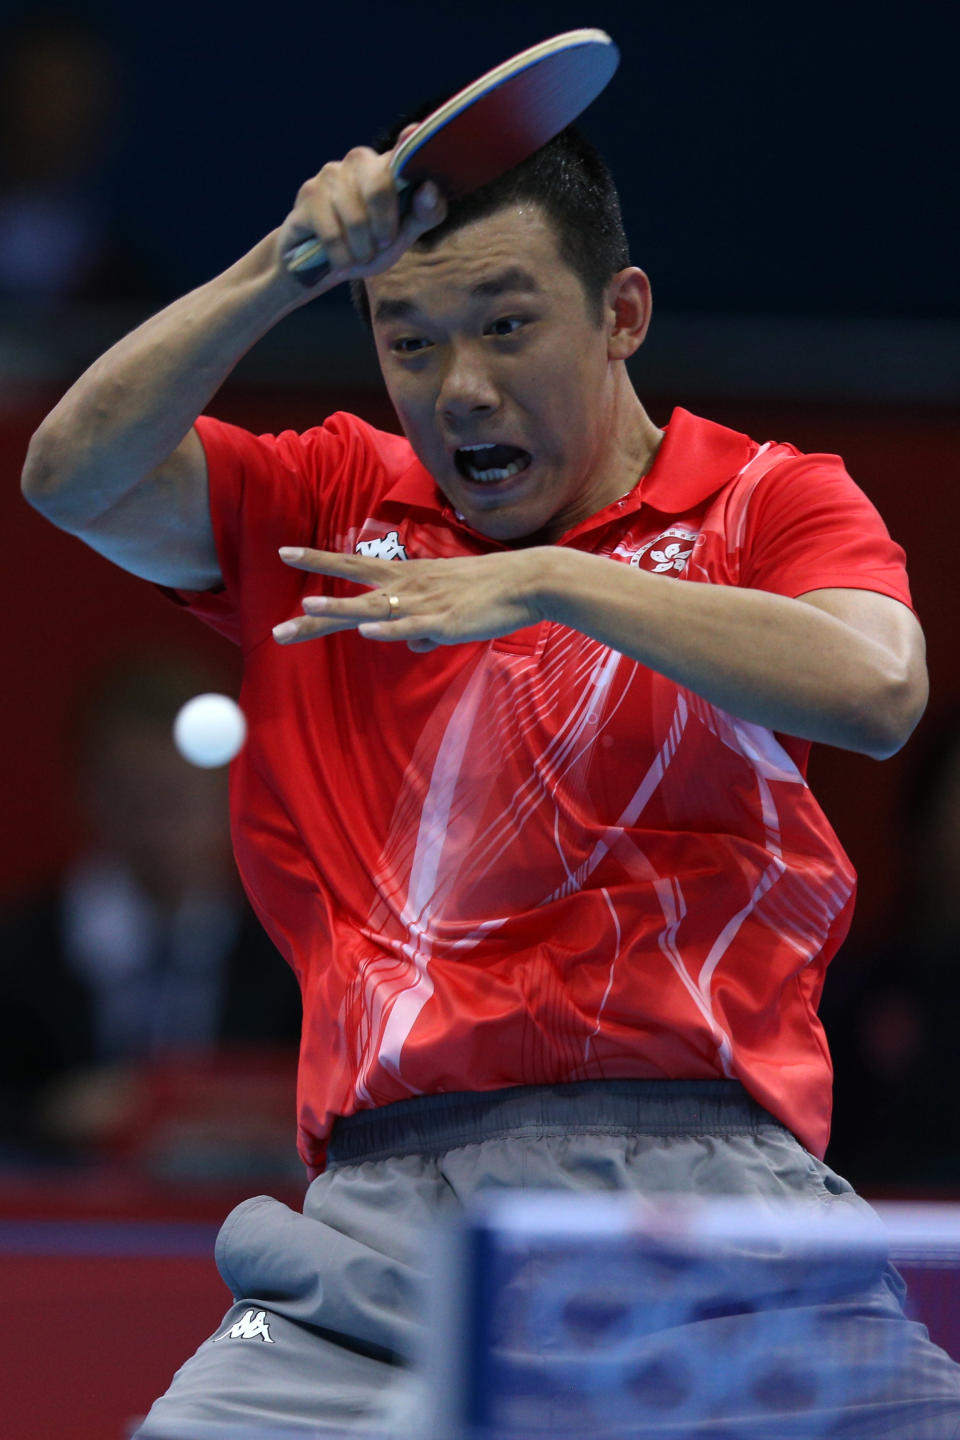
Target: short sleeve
<point>273,490</point>
<point>810,527</point>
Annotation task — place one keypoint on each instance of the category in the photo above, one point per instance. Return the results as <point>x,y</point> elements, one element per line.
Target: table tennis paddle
<point>490,126</point>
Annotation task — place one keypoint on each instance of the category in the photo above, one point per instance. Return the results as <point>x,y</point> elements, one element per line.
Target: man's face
<point>489,340</point>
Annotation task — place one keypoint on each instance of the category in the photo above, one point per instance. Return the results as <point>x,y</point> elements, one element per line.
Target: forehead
<point>515,250</point>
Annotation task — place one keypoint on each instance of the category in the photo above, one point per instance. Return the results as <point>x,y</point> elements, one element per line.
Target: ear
<point>629,304</point>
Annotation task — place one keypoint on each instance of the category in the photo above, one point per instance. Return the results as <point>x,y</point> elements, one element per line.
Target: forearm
<point>131,409</point>
<point>775,661</point>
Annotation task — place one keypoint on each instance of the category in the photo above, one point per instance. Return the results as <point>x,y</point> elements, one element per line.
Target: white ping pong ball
<point>209,730</point>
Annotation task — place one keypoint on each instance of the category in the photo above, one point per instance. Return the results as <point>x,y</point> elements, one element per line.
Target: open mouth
<point>485,464</point>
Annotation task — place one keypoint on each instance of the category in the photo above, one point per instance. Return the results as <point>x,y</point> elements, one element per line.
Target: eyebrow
<point>513,280</point>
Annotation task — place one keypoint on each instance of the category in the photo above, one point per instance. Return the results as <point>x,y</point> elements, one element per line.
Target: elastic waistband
<point>431,1124</point>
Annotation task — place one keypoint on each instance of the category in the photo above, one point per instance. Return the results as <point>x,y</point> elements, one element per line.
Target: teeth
<point>484,476</point>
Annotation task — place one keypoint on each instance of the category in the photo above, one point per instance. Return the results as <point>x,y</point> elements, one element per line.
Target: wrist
<point>548,588</point>
<point>264,280</point>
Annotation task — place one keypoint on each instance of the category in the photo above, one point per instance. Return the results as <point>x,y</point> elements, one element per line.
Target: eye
<point>409,345</point>
<point>507,325</point>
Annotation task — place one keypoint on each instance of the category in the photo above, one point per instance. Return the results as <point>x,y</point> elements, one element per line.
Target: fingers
<point>371,613</point>
<point>427,209</point>
<point>451,601</point>
<point>353,208</point>
<point>417,630</point>
<point>305,627</point>
<point>365,614</point>
<point>326,614</point>
<point>364,569</point>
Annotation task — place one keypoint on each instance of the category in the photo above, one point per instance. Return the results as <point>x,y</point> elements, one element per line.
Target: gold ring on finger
<point>393,602</point>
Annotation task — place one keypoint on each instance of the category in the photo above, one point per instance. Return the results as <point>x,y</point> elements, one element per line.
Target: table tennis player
<point>531,689</point>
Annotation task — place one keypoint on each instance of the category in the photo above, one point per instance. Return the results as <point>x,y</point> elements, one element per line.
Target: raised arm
<point>118,462</point>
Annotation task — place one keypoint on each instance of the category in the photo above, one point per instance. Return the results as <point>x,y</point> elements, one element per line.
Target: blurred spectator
<point>891,1008</point>
<point>59,111</point>
<point>146,948</point>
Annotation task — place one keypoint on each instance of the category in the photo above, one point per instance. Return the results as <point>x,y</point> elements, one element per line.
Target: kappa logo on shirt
<point>383,547</point>
<point>668,552</point>
<point>252,1325</point>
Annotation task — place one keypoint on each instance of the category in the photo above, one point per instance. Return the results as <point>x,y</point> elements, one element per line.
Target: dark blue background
<point>773,159</point>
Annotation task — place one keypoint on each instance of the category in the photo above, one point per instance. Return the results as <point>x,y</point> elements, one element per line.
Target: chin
<point>509,529</point>
<point>519,537</point>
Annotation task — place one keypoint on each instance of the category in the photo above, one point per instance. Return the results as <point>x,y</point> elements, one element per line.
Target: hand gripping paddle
<point>486,129</point>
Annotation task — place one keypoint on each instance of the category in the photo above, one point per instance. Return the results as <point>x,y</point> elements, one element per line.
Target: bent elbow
<point>35,475</point>
<point>53,482</point>
<point>40,478</point>
<point>898,712</point>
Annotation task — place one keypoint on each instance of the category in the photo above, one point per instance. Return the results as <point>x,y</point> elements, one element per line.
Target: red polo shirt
<point>533,860</point>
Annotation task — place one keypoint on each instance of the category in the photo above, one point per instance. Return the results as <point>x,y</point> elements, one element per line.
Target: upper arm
<point>161,529</point>
<point>894,630</point>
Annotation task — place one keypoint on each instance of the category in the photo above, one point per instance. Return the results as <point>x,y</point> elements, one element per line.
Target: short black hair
<point>569,180</point>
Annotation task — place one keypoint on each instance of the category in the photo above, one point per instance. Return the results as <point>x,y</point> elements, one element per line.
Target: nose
<point>467,387</point>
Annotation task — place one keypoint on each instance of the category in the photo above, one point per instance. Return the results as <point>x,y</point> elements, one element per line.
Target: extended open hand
<point>424,602</point>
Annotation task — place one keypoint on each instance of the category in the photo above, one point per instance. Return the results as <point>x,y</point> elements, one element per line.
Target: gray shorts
<point>328,1303</point>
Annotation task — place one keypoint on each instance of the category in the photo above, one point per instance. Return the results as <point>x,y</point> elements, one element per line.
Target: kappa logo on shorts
<point>384,547</point>
<point>251,1326</point>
